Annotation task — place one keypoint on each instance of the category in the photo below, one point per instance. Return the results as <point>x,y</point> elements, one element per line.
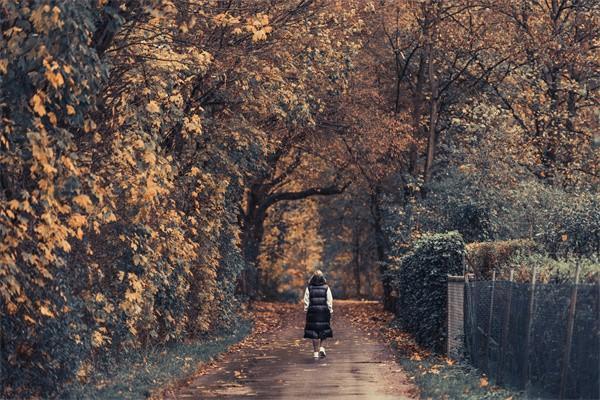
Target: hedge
<point>485,257</point>
<point>421,283</point>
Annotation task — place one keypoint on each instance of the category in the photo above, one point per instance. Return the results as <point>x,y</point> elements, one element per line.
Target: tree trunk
<point>251,250</point>
<point>356,258</point>
<point>417,100</point>
<point>252,236</point>
<point>433,116</point>
<point>380,247</point>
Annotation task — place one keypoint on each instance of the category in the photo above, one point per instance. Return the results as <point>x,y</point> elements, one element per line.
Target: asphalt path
<point>281,366</point>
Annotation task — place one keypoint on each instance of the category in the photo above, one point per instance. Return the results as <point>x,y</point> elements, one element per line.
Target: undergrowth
<point>440,378</point>
<point>141,372</point>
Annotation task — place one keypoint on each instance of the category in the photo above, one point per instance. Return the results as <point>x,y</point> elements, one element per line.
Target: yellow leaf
<point>55,79</point>
<point>97,339</point>
<point>149,157</point>
<point>13,204</point>
<point>259,35</point>
<point>483,382</point>
<point>194,171</point>
<point>88,125</point>
<point>45,311</point>
<point>38,105</point>
<point>138,144</point>
<point>84,370</point>
<point>83,201</point>
<point>153,107</point>
<point>70,110</point>
<point>564,237</point>
<point>52,118</point>
<point>68,163</point>
<point>29,319</point>
<point>65,245</point>
<point>11,308</point>
<point>77,220</point>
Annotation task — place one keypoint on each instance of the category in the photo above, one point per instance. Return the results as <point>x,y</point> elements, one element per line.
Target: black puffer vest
<point>318,316</point>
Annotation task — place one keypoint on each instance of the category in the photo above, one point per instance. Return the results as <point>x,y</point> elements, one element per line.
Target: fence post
<point>469,304</point>
<point>488,336</point>
<point>570,323</point>
<point>455,316</point>
<point>529,326</point>
<point>505,326</point>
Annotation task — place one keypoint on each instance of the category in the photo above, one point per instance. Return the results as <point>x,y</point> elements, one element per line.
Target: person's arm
<point>306,299</point>
<point>330,300</point>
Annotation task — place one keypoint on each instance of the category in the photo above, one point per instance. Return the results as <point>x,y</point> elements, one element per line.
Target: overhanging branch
<point>303,194</point>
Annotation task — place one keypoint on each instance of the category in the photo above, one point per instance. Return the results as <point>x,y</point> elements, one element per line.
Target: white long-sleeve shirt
<point>329,300</point>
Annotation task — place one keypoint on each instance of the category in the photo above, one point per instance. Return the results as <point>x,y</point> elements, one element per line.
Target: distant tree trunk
<point>368,283</point>
<point>433,116</point>
<point>417,111</point>
<point>356,258</point>
<point>381,247</point>
<point>252,236</point>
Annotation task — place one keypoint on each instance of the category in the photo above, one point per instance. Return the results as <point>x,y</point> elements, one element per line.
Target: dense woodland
<point>162,161</point>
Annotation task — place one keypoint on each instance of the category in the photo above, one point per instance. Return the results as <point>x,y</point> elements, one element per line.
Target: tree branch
<point>303,194</point>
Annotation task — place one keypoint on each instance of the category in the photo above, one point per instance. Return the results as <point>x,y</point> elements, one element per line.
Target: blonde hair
<point>317,278</point>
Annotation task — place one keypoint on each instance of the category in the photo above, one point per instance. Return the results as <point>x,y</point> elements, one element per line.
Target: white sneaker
<point>316,354</point>
<point>322,352</point>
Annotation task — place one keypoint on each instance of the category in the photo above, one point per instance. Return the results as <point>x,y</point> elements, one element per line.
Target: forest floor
<point>367,359</point>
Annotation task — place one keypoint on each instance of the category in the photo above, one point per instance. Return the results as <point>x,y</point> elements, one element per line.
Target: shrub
<point>550,270</point>
<point>421,283</point>
<point>485,257</point>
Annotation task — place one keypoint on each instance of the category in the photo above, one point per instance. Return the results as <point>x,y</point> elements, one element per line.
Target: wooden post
<point>528,327</point>
<point>570,324</point>
<point>488,336</point>
<point>505,326</point>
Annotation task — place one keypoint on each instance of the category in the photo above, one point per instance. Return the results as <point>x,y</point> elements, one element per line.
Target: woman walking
<point>318,305</point>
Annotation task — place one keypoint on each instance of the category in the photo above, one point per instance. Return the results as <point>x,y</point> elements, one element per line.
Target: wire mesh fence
<point>543,338</point>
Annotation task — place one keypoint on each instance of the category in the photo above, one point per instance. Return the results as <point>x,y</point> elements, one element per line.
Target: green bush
<point>485,257</point>
<point>421,283</point>
<point>550,270</point>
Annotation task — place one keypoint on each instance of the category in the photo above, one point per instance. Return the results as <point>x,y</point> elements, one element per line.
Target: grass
<point>440,378</point>
<point>143,371</point>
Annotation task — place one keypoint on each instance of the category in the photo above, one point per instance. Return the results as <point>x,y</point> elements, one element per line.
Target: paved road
<point>281,366</point>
